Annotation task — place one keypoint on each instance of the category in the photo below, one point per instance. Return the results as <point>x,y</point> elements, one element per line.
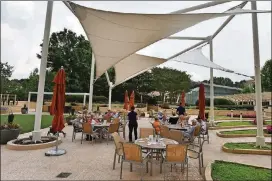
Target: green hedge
<point>217,101</point>
<point>79,99</point>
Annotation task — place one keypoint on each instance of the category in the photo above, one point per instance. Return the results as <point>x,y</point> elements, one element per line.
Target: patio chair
<point>77,128</point>
<point>196,153</point>
<point>87,129</point>
<point>132,153</point>
<point>108,118</point>
<point>165,133</point>
<point>176,135</point>
<point>205,134</point>
<point>122,129</point>
<point>113,128</point>
<point>196,134</point>
<point>116,121</point>
<point>145,132</point>
<point>118,148</point>
<point>176,154</point>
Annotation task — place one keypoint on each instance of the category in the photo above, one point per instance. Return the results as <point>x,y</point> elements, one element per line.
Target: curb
<point>230,127</point>
<point>208,172</point>
<point>219,134</point>
<point>246,151</point>
<point>12,146</point>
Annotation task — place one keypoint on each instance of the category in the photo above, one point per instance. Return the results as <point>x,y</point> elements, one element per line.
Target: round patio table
<point>101,127</point>
<point>153,145</point>
<point>178,127</point>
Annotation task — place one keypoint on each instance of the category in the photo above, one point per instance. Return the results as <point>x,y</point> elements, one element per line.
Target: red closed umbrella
<point>58,101</point>
<point>201,101</point>
<point>182,100</point>
<point>126,101</point>
<point>131,99</point>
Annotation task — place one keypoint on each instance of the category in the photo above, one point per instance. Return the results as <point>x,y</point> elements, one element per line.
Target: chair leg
<point>121,169</point>
<point>202,160</point>
<point>114,159</point>
<point>199,163</point>
<point>187,171</point>
<point>73,136</point>
<point>208,138</point>
<point>130,167</point>
<point>147,167</point>
<point>81,138</point>
<point>171,167</point>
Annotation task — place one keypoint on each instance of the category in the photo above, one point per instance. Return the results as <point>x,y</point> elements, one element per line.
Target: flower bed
<point>4,110</point>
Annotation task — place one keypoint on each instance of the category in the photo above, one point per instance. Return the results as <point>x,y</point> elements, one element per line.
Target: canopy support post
<point>260,141</point>
<point>90,107</point>
<point>211,85</point>
<point>84,100</point>
<point>28,101</point>
<point>110,88</point>
<point>36,134</point>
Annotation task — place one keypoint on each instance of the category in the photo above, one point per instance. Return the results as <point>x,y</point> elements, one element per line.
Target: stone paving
<point>94,162</point>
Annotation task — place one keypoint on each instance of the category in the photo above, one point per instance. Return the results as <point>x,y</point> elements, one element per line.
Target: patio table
<point>153,145</point>
<point>102,127</point>
<point>178,127</point>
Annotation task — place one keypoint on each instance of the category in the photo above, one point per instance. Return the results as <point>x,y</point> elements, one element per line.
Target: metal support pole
<point>28,101</point>
<point>185,38</point>
<point>90,108</point>
<point>211,85</point>
<point>260,141</point>
<point>110,92</point>
<point>37,133</point>
<point>15,100</point>
<point>84,100</point>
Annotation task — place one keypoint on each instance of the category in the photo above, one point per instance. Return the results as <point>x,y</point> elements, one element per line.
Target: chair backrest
<point>197,130</point>
<point>176,153</point>
<point>87,128</point>
<point>176,135</point>
<point>145,132</point>
<point>132,152</point>
<point>116,121</point>
<point>165,133</point>
<point>106,117</point>
<point>118,143</point>
<point>113,128</point>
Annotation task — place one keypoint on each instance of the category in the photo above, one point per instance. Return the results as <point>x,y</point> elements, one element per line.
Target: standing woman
<point>133,124</point>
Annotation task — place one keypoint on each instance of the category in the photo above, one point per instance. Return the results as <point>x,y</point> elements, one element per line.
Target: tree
<point>6,72</point>
<point>266,74</point>
<point>74,53</point>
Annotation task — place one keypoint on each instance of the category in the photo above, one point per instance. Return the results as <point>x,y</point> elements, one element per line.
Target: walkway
<point>94,162</point>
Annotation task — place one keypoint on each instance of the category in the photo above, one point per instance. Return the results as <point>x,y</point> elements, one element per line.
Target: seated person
<point>115,114</point>
<point>160,115</point>
<point>189,134</point>
<point>202,124</point>
<point>157,125</point>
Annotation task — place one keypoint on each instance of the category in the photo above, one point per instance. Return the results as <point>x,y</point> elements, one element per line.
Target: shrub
<point>165,106</point>
<point>100,99</point>
<point>269,129</point>
<point>141,105</point>
<point>152,101</point>
<point>236,107</point>
<point>217,101</point>
<point>255,122</point>
<point>243,115</point>
<point>10,126</point>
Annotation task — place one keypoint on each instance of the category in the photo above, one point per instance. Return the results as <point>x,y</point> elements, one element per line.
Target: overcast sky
<point>22,26</point>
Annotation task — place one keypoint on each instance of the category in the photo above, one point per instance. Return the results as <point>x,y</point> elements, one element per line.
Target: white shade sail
<point>133,65</point>
<point>115,36</point>
<point>196,57</point>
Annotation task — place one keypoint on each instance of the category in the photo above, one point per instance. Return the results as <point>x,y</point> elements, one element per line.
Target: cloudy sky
<point>22,26</point>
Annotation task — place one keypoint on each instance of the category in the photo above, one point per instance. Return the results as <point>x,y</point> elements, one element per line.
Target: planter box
<point>9,134</point>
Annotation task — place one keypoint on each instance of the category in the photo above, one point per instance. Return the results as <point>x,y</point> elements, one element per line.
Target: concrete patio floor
<point>94,162</point>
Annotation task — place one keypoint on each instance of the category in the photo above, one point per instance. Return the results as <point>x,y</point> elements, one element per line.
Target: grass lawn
<point>26,122</point>
<point>248,131</point>
<point>246,146</point>
<point>227,171</point>
<point>235,123</point>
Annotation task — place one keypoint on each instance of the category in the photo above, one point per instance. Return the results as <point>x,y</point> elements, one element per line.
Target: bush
<point>100,99</point>
<point>165,106</point>
<point>217,101</point>
<point>243,115</point>
<point>152,101</point>
<point>237,107</point>
<point>79,99</point>
<point>141,105</point>
<point>269,129</point>
<point>255,122</point>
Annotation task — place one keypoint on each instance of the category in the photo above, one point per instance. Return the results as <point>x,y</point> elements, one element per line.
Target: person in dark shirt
<point>133,124</point>
<point>180,110</point>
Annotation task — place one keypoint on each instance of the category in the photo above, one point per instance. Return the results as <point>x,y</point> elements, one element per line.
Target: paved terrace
<point>94,162</point>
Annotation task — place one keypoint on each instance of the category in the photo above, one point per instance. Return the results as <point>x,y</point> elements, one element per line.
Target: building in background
<point>219,90</point>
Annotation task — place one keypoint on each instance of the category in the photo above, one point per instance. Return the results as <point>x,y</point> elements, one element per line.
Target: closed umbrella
<point>131,99</point>
<point>182,100</point>
<point>126,101</point>
<point>57,109</point>
<point>201,101</point>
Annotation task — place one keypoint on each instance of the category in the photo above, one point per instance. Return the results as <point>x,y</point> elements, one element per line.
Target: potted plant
<point>10,130</point>
<point>24,110</point>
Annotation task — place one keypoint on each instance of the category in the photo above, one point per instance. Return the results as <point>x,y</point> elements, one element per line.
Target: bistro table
<point>153,145</point>
<point>178,127</point>
<point>101,127</point>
